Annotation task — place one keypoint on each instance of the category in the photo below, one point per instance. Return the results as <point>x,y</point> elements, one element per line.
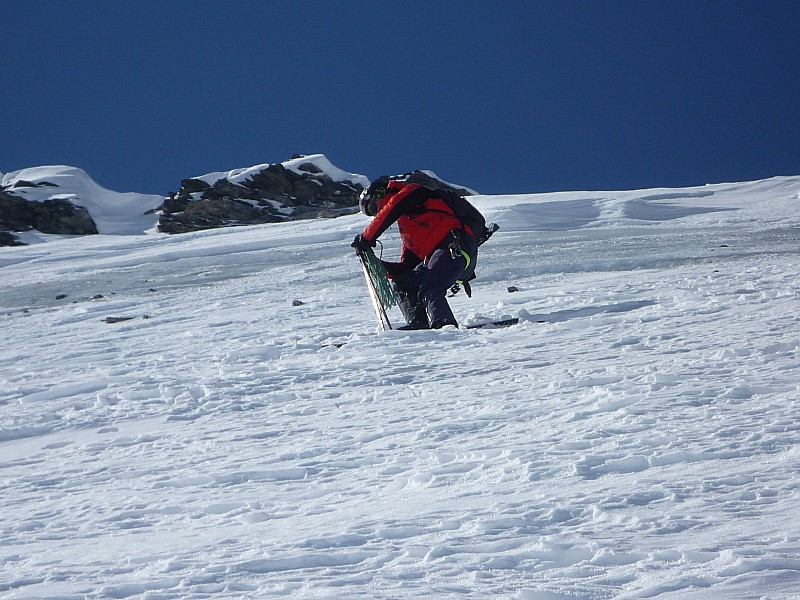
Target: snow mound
<point>773,200</point>
<point>113,212</point>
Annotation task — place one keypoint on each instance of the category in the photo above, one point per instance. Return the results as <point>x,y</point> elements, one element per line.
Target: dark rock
<point>112,320</point>
<point>23,184</point>
<point>227,189</point>
<point>175,204</point>
<point>214,213</point>
<point>274,182</point>
<point>16,214</point>
<point>64,218</point>
<point>117,319</point>
<point>271,195</point>
<point>51,216</point>
<point>193,186</point>
<point>309,168</point>
<point>309,191</point>
<point>8,239</point>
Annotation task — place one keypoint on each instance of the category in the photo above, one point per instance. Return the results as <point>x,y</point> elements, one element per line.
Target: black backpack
<point>468,215</point>
<point>461,207</point>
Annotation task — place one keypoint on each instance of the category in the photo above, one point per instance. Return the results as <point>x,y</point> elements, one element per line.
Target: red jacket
<point>424,219</point>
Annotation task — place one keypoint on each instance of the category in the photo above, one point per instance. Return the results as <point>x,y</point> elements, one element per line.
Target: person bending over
<point>438,248</point>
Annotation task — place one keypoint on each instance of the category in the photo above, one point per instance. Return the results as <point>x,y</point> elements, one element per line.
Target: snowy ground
<point>636,436</point>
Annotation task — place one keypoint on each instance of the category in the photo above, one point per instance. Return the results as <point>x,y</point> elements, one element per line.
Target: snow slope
<point>636,436</point>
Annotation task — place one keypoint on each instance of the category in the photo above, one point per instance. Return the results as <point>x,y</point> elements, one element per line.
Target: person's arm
<point>404,201</point>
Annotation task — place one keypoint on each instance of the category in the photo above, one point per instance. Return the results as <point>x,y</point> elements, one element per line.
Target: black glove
<point>360,243</point>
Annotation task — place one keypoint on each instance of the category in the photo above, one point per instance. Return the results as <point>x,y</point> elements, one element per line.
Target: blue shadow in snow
<point>644,210</point>
<point>555,216</point>
<point>588,311</point>
<point>679,195</point>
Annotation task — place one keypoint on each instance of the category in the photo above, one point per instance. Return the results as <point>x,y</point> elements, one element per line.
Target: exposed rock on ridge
<point>272,194</point>
<point>297,189</point>
<point>52,216</point>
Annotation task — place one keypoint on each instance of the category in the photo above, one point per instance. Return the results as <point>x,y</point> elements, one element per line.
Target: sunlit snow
<point>637,435</point>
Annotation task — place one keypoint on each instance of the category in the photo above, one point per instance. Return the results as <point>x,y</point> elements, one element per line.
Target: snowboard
<point>492,324</point>
<point>372,268</point>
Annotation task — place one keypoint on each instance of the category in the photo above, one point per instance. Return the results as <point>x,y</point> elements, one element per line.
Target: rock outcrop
<point>51,216</point>
<point>272,194</point>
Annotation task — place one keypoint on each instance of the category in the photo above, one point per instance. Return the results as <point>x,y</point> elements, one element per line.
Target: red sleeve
<point>397,205</point>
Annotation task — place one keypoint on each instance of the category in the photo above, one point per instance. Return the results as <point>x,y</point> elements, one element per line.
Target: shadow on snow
<point>588,311</point>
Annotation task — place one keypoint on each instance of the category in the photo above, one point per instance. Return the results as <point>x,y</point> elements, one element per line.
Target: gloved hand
<point>360,243</point>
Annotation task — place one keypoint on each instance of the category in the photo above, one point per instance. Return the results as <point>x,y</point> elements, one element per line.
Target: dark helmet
<point>375,191</point>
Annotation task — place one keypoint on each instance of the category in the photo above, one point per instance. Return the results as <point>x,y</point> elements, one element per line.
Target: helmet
<point>375,191</point>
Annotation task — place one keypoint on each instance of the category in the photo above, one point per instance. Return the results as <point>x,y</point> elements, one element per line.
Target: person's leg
<point>441,273</point>
<point>443,269</point>
<point>406,290</point>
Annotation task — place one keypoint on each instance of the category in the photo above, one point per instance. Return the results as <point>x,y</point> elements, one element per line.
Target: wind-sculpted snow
<point>635,436</point>
<point>113,212</point>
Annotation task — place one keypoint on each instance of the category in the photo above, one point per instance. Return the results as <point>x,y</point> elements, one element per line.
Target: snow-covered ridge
<point>325,166</point>
<point>769,200</point>
<point>132,213</point>
<point>113,212</point>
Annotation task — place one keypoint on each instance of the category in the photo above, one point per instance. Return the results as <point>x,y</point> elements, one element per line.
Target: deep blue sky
<point>504,97</point>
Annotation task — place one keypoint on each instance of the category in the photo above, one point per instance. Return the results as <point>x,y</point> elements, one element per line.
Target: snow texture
<point>635,436</point>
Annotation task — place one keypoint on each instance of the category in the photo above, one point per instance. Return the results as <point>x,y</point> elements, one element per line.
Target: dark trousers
<point>422,293</point>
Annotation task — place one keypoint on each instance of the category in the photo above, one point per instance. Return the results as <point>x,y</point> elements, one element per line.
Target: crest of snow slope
<point>113,212</point>
<point>636,436</point>
<point>319,160</point>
